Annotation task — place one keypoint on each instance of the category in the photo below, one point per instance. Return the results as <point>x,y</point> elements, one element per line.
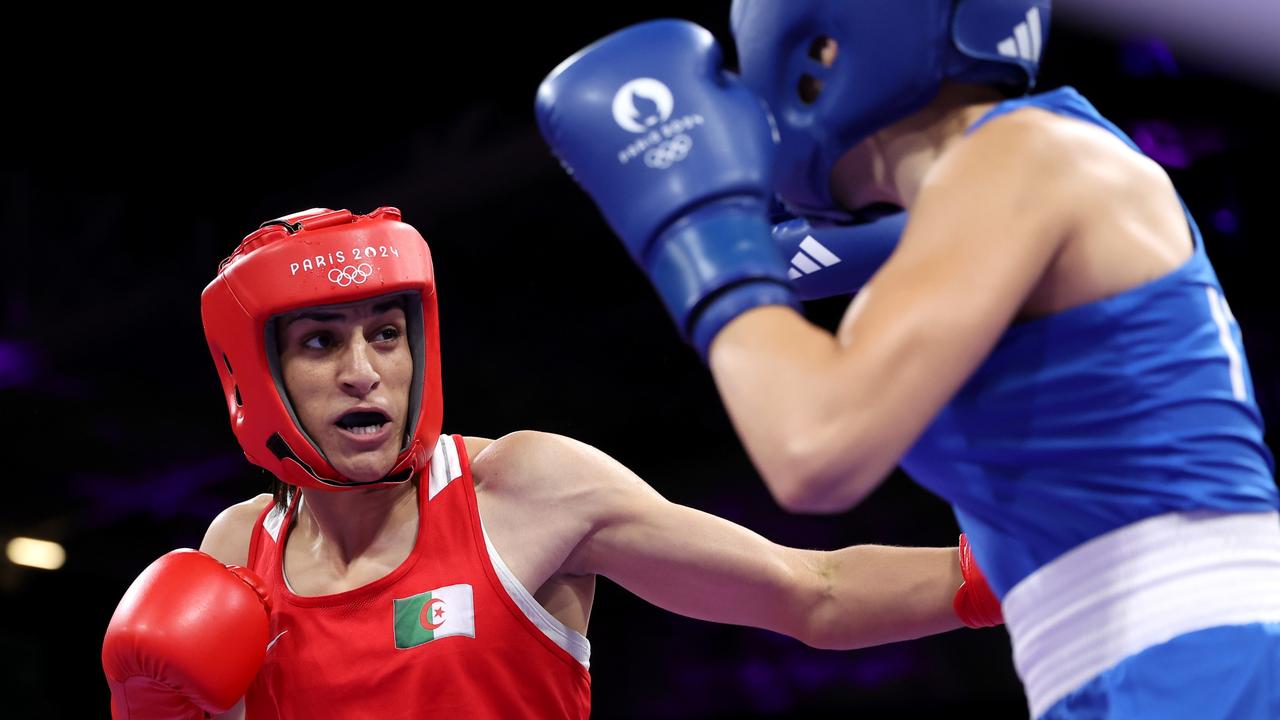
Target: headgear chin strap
<point>892,56</point>
<point>318,257</point>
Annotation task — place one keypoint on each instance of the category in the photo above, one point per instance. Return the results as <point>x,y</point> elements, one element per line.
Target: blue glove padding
<point>836,259</point>
<point>677,155</point>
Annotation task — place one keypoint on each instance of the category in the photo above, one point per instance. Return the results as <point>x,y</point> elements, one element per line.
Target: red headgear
<point>318,257</point>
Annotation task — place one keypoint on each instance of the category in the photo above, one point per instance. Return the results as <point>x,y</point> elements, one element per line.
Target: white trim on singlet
<point>1136,587</point>
<point>271,523</point>
<point>283,576</point>
<point>571,641</point>
<point>445,466</point>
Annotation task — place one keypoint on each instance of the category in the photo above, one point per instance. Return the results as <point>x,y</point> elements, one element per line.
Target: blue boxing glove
<point>678,156</point>
<point>836,259</point>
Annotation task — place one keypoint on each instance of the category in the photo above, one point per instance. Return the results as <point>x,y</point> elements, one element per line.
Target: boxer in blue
<point>1047,346</point>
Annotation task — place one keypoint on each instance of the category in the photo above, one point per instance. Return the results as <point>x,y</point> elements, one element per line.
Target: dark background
<point>129,172</point>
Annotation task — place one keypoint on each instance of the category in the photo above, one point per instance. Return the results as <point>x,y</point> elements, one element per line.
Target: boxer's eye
<point>318,341</point>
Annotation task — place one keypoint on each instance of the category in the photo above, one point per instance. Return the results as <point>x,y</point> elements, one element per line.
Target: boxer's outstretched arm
<point>705,567</point>
<point>826,418</point>
<point>702,566</point>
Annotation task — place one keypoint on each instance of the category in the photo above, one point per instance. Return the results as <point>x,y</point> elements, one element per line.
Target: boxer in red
<point>401,573</point>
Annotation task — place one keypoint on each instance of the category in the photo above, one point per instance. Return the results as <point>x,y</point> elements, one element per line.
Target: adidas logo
<point>810,258</point>
<point>1025,42</point>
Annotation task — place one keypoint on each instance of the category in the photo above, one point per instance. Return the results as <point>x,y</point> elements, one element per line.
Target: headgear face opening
<point>892,57</point>
<point>314,258</point>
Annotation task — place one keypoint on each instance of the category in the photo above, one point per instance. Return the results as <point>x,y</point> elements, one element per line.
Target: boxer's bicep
<point>981,236</point>
<point>826,419</point>
<point>702,566</point>
<point>675,557</point>
<point>698,565</point>
<point>227,538</point>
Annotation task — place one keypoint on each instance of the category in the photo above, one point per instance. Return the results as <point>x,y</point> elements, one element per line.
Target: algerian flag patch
<point>434,614</point>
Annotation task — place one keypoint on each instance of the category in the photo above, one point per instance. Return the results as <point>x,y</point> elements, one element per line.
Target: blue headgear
<point>892,56</point>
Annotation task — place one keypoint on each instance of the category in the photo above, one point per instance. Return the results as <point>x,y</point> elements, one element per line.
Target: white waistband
<point>1137,587</point>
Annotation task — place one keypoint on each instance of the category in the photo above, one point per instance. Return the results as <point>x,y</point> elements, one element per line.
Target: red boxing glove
<point>974,603</point>
<point>187,638</point>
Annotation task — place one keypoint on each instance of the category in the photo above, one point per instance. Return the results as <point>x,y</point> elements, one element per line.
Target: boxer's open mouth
<point>363,422</point>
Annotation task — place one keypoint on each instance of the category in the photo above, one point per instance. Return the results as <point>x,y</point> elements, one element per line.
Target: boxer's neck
<point>343,526</point>
<point>890,165</point>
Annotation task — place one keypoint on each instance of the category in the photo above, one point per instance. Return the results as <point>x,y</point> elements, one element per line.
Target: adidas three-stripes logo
<point>1025,41</point>
<point>811,257</point>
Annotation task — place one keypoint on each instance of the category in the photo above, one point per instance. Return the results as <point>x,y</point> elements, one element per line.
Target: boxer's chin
<point>366,466</point>
<point>858,179</point>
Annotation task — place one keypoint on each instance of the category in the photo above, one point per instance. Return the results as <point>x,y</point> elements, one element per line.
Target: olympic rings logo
<point>669,153</point>
<point>351,274</point>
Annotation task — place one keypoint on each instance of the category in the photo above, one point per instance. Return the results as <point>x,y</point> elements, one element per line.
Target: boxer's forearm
<point>807,417</point>
<point>874,595</point>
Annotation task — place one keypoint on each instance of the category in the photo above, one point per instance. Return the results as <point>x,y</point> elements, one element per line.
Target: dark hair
<point>282,493</point>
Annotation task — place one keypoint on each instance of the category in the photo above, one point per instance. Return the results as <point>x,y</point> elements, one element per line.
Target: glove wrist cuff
<point>716,263</point>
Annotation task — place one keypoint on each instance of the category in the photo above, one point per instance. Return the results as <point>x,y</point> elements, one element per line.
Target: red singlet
<point>449,632</point>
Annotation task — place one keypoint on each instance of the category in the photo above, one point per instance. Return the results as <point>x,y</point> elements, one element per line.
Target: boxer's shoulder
<point>475,445</point>
<point>1015,146</point>
<point>531,464</point>
<point>1039,151</point>
<point>516,459</point>
<point>1028,171</point>
<point>227,538</point>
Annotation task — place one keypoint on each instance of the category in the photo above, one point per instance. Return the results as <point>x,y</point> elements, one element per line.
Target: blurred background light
<point>30,552</point>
